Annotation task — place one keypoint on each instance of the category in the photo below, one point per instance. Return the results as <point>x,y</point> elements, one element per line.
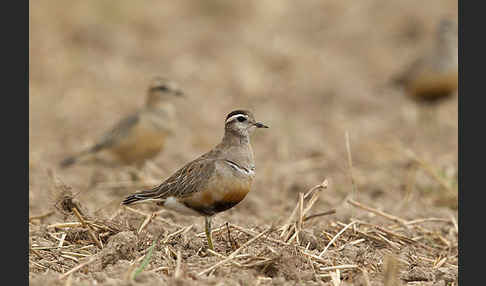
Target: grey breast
<point>160,119</point>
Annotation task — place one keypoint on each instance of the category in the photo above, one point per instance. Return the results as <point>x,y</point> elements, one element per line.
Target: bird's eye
<point>162,88</point>
<point>241,118</point>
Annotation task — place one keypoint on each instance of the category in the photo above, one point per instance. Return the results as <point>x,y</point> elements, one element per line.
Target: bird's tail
<point>67,162</point>
<point>143,196</point>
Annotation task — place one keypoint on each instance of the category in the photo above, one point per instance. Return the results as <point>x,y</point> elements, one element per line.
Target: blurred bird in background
<point>434,76</point>
<point>142,135</point>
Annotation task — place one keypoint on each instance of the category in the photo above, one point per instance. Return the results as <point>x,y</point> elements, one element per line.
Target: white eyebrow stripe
<point>236,115</point>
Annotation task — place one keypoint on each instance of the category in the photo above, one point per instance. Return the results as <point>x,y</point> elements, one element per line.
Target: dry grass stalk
<point>222,256</point>
<point>39,265</point>
<point>315,195</point>
<point>319,215</point>
<point>256,260</point>
<point>76,268</point>
<point>165,268</point>
<point>187,229</point>
<point>214,231</point>
<point>294,234</point>
<point>45,247</point>
<point>34,250</point>
<point>65,225</point>
<point>454,222</point>
<point>253,233</point>
<point>155,217</point>
<point>61,242</point>
<point>40,217</point>
<point>170,253</point>
<point>313,268</point>
<point>335,237</point>
<point>370,237</point>
<point>351,243</point>
<point>288,232</point>
<point>75,254</point>
<point>328,236</point>
<point>378,212</point>
<point>61,194</point>
<point>234,253</point>
<point>285,229</point>
<point>336,277</point>
<point>55,237</point>
<point>146,222</point>
<point>440,262</point>
<point>389,232</point>
<point>314,257</point>
<point>70,257</point>
<point>180,231</point>
<point>88,227</point>
<point>339,267</point>
<point>389,242</point>
<point>434,261</point>
<point>350,165</point>
<point>380,238</point>
<point>443,240</point>
<point>300,222</point>
<point>432,219</point>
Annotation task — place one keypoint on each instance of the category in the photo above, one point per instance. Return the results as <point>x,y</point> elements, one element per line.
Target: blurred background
<point>311,71</point>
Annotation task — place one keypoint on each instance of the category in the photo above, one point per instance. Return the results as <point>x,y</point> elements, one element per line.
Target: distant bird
<point>142,135</point>
<point>214,182</point>
<point>434,75</point>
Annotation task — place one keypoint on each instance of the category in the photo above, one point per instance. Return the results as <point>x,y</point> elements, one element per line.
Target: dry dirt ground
<point>313,71</point>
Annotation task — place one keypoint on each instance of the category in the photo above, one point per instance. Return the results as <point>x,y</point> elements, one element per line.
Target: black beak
<point>260,125</point>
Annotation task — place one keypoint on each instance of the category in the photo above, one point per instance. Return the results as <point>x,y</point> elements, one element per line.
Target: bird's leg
<point>208,232</point>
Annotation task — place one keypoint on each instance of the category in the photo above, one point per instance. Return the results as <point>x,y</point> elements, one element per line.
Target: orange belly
<point>430,86</point>
<point>141,144</point>
<point>215,200</point>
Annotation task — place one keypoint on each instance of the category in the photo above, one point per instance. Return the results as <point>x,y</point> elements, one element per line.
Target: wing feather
<point>191,178</point>
<point>119,131</point>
